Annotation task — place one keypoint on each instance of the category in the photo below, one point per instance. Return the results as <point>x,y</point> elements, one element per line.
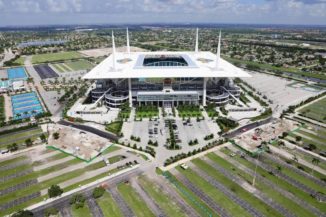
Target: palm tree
<point>315,162</point>
<point>18,115</point>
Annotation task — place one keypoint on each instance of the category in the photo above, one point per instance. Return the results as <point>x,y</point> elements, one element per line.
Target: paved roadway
<point>100,133</point>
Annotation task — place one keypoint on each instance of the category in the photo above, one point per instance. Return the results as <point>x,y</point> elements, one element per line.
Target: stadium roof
<point>130,65</point>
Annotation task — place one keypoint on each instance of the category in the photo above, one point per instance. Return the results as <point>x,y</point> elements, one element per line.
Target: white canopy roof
<point>128,65</point>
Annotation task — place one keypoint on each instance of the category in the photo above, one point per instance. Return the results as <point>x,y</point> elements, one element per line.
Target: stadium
<point>164,78</point>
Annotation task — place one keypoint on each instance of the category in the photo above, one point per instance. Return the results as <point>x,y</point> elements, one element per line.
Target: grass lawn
<point>237,189</point>
<point>232,208</point>
<point>189,111</point>
<point>211,110</point>
<point>146,111</point>
<point>192,199</point>
<point>315,111</point>
<point>163,200</point>
<point>19,134</point>
<point>13,160</point>
<point>81,212</point>
<point>110,149</point>
<point>134,201</point>
<point>274,68</point>
<point>51,57</point>
<point>58,67</point>
<point>79,65</point>
<point>19,61</point>
<point>114,127</point>
<point>109,206</point>
<point>282,184</point>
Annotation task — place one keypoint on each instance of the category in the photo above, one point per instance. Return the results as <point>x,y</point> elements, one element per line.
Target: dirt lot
<point>82,144</point>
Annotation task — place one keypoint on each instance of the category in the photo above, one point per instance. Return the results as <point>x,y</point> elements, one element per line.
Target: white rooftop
<point>129,65</point>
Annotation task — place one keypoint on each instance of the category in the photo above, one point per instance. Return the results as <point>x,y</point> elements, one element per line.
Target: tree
<point>98,192</point>
<point>13,147</point>
<point>78,201</point>
<point>54,191</point>
<point>43,137</point>
<point>23,213</point>
<point>28,142</point>
<point>56,135</point>
<point>298,138</point>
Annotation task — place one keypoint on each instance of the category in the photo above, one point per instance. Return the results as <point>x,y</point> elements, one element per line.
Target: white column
<point>130,92</point>
<point>204,92</point>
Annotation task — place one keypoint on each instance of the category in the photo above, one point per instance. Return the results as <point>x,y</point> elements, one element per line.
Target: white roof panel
<point>201,64</point>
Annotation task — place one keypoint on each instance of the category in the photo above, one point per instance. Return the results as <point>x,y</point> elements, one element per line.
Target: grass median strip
<point>134,201</point>
<point>282,184</point>
<point>81,212</point>
<point>108,206</point>
<point>237,189</point>
<point>220,198</point>
<point>162,199</point>
<point>192,199</point>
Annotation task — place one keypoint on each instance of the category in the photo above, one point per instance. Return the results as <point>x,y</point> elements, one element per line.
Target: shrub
<point>98,192</point>
<point>78,201</point>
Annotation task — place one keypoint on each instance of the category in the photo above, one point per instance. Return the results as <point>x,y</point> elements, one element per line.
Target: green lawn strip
<point>65,67</point>
<point>15,136</point>
<point>232,208</point>
<point>20,206</point>
<point>115,159</point>
<point>237,189</point>
<point>284,185</point>
<point>94,178</point>
<point>108,206</point>
<point>58,156</point>
<point>43,185</point>
<point>58,67</point>
<point>163,200</point>
<point>21,143</point>
<point>20,61</point>
<point>57,167</point>
<point>315,137</point>
<point>13,160</point>
<point>81,212</point>
<point>51,57</point>
<point>296,176</point>
<point>195,202</point>
<point>134,201</point>
<point>110,149</point>
<point>79,65</point>
<point>14,170</point>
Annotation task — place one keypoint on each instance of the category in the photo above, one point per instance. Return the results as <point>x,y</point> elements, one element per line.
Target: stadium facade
<point>164,78</point>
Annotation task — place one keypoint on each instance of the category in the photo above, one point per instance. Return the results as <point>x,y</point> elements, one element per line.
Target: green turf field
<point>315,111</point>
<point>79,65</point>
<point>52,57</point>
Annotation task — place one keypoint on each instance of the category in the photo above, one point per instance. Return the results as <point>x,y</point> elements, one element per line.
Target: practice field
<point>25,105</point>
<point>16,73</point>
<point>315,111</point>
<point>45,71</point>
<point>51,57</point>
<point>72,66</point>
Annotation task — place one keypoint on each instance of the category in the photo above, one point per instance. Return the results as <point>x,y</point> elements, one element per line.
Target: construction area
<point>81,144</point>
<point>251,140</point>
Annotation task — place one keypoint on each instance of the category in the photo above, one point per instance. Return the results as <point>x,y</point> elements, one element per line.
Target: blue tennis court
<point>25,105</point>
<point>16,73</point>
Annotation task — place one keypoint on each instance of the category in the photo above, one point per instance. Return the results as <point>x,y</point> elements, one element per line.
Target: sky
<point>51,12</point>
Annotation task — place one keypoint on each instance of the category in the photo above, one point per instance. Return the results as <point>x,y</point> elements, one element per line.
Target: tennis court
<point>45,71</point>
<point>16,73</point>
<point>25,105</point>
